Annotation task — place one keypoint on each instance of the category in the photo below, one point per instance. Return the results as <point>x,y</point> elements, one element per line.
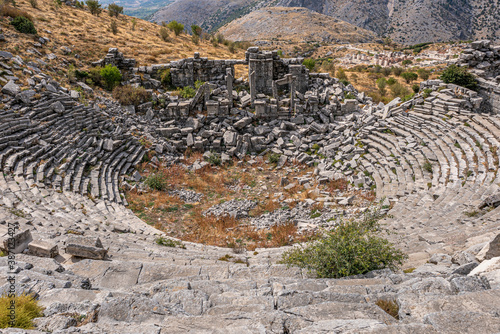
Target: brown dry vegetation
<point>258,182</point>
<point>90,37</point>
<point>218,184</point>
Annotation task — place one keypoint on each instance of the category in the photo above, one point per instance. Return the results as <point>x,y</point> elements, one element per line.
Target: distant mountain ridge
<point>404,21</point>
<point>287,24</point>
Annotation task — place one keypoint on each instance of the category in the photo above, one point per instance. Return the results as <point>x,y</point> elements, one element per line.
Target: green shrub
<point>176,27</point>
<point>26,309</point>
<point>129,95</point>
<point>459,76</point>
<point>416,88</point>
<point>111,76</point>
<point>406,62</point>
<point>134,23</point>
<point>165,36</point>
<point>398,90</point>
<point>409,76</point>
<point>187,92</point>
<point>231,47</point>
<point>309,63</point>
<point>397,71</point>
<point>214,159</point>
<point>79,4</point>
<point>24,25</point>
<point>391,81</point>
<point>196,39</point>
<point>352,248</point>
<point>170,243</point>
<point>349,96</point>
<point>386,71</point>
<point>382,84</point>
<point>274,158</point>
<point>427,92</point>
<point>166,78</point>
<point>423,73</point>
<point>156,181</point>
<point>428,167</point>
<point>113,27</point>
<point>341,75</point>
<point>196,30</point>
<point>115,10</point>
<point>94,7</point>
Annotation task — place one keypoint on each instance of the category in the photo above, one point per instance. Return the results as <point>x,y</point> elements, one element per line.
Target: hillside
<point>88,37</point>
<point>404,21</point>
<point>280,23</point>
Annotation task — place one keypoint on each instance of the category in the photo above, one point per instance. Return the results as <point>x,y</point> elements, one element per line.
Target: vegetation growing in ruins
<point>111,76</point>
<point>27,309</point>
<point>354,247</point>
<point>129,95</point>
<point>459,76</point>
<point>309,63</point>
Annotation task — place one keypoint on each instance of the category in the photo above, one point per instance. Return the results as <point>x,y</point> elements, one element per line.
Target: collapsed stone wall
<point>483,59</point>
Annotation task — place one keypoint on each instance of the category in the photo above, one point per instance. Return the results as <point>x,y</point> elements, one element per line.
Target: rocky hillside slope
<point>408,22</point>
<point>281,23</point>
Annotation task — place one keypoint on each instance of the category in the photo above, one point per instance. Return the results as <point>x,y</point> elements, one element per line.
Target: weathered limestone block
<point>17,243</point>
<point>43,248</point>
<point>86,247</point>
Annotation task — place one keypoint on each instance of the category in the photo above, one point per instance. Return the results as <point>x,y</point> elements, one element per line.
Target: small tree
<point>397,71</point>
<point>409,76</point>
<point>115,10</point>
<point>176,27</point>
<point>134,22</point>
<point>381,84</point>
<point>111,76</point>
<point>94,7</point>
<point>423,73</point>
<point>114,27</point>
<point>196,30</point>
<point>165,36</point>
<point>309,63</point>
<point>459,76</point>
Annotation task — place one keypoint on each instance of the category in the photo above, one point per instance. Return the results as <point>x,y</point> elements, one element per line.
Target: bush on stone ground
<point>24,25</point>
<point>423,73</point>
<point>214,159</point>
<point>187,92</point>
<point>352,248</point>
<point>166,78</point>
<point>129,95</point>
<point>26,309</point>
<point>156,181</point>
<point>397,71</point>
<point>111,76</point>
<point>459,76</point>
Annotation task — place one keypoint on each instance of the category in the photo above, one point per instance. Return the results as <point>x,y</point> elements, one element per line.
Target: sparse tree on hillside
<point>409,76</point>
<point>176,27</point>
<point>196,30</point>
<point>115,10</point>
<point>94,7</point>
